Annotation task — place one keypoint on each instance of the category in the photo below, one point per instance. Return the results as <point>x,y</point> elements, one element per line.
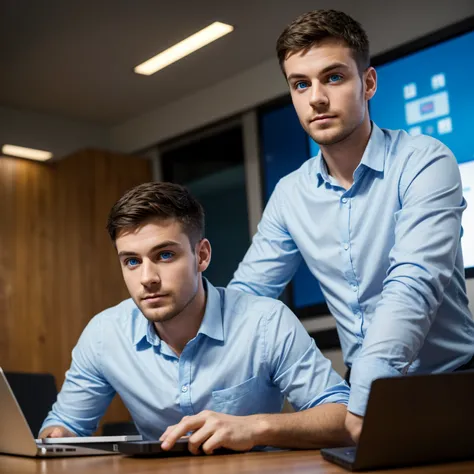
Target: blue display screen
<point>284,149</point>
<point>429,92</point>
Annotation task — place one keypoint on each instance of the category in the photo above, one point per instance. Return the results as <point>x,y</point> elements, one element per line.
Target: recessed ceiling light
<point>207,35</point>
<point>29,153</point>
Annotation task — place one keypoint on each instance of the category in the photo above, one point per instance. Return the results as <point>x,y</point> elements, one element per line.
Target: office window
<point>211,165</point>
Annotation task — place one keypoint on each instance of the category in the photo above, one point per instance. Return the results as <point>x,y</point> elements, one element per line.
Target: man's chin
<point>328,137</point>
<point>158,316</point>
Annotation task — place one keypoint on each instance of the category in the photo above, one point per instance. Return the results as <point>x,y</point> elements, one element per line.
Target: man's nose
<point>318,95</point>
<point>150,274</point>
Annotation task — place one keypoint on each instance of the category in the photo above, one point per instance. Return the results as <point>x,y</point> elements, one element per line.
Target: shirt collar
<point>142,328</point>
<point>373,157</point>
<point>211,325</point>
<point>212,322</point>
<point>321,169</point>
<point>374,154</point>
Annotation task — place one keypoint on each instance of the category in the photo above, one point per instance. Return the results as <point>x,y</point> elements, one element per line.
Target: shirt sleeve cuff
<point>336,394</point>
<point>363,373</point>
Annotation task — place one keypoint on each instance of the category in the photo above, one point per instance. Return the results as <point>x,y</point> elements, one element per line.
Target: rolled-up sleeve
<point>297,366</point>
<point>85,394</point>
<point>422,260</point>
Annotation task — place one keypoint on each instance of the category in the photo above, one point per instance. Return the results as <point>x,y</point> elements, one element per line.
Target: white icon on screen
<point>438,81</point>
<point>409,91</point>
<point>427,108</point>
<point>445,126</point>
<point>414,131</point>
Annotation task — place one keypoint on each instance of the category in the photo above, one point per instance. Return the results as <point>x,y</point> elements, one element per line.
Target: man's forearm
<point>318,427</point>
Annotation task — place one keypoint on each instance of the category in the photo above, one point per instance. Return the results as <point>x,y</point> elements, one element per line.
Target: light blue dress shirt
<point>386,252</point>
<point>248,354</point>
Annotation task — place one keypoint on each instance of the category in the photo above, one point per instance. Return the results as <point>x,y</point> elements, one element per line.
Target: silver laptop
<point>16,436</point>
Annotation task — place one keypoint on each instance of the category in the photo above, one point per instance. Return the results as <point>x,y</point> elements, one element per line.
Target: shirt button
<point>354,288</point>
<point>184,388</point>
<point>346,246</point>
<point>344,200</point>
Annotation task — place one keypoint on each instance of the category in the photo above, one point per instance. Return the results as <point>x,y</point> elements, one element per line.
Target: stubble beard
<point>339,137</point>
<point>172,313</point>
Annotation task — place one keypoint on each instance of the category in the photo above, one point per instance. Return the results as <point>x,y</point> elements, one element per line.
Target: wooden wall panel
<point>58,267</point>
<point>25,245</point>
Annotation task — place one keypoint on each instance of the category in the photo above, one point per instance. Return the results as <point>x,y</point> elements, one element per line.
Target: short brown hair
<point>157,200</point>
<point>312,27</point>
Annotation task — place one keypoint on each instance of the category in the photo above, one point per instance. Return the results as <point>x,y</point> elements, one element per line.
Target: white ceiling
<point>74,58</point>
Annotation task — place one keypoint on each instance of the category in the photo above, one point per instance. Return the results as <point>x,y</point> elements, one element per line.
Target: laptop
<point>180,448</point>
<point>411,420</point>
<point>36,408</point>
<point>16,436</point>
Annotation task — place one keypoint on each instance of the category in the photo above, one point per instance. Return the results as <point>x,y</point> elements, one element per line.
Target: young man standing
<point>376,216</point>
<point>186,356</point>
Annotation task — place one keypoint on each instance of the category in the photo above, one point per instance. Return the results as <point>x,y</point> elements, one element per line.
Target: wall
<point>57,265</point>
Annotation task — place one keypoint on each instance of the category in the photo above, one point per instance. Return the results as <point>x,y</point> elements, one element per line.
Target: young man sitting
<point>185,356</point>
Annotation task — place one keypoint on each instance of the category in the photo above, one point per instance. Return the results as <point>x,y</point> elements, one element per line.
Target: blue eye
<point>132,262</point>
<point>301,86</point>
<point>166,255</point>
<point>334,78</point>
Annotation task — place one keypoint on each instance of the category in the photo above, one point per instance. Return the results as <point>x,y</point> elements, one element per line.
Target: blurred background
<point>219,121</point>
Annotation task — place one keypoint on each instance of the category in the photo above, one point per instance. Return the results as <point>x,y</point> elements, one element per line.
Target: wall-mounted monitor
<point>425,87</point>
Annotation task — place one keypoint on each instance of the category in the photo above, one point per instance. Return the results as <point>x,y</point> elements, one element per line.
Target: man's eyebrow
<point>296,76</point>
<point>333,66</point>
<point>327,69</point>
<point>165,244</point>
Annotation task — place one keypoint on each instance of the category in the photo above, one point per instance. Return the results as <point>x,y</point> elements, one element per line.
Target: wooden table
<point>274,462</point>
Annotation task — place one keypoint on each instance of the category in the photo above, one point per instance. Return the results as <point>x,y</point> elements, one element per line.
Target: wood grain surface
<point>295,462</point>
<point>58,267</point>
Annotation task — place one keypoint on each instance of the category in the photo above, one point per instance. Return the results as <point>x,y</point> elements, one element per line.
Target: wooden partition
<point>58,267</point>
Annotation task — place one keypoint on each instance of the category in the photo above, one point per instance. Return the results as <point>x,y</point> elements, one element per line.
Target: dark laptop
<point>415,419</point>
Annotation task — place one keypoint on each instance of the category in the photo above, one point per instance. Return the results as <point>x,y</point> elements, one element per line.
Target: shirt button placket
<point>184,382</point>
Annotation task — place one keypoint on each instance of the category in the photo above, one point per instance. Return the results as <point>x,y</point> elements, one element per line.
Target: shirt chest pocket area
<point>237,400</point>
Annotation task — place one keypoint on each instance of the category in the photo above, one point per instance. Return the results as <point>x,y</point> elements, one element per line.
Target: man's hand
<point>213,430</point>
<point>353,425</point>
<point>56,432</point>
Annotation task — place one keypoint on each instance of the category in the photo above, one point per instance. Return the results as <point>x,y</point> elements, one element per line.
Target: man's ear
<point>370,82</point>
<point>203,254</point>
